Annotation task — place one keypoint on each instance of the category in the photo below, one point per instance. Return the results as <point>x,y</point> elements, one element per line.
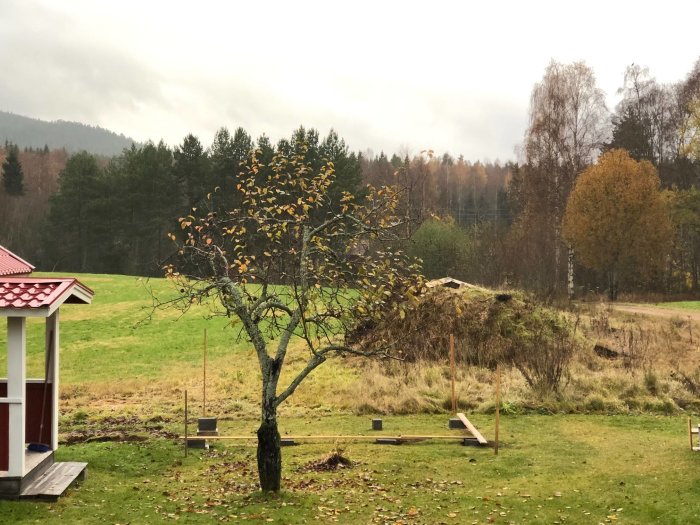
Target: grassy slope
<point>598,464</point>
<point>114,360</point>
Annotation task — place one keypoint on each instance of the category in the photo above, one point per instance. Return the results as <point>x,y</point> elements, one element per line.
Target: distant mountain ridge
<point>29,132</point>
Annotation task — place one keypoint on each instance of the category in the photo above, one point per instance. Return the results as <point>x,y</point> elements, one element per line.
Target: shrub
<point>489,328</point>
<point>442,246</point>
<point>651,383</point>
<point>595,403</point>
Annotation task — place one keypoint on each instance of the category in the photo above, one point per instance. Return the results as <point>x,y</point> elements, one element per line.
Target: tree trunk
<point>570,273</point>
<point>269,450</point>
<point>557,259</point>
<point>612,286</point>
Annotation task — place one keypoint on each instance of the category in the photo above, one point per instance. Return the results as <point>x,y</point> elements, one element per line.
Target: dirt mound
<point>330,462</point>
<point>489,327</point>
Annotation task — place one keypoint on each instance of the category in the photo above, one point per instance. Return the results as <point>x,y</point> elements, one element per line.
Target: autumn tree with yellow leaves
<point>616,218</point>
<point>288,264</point>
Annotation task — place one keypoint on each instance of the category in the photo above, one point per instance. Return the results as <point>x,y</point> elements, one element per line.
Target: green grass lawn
<point>551,469</point>
<point>111,339</point>
<point>117,372</point>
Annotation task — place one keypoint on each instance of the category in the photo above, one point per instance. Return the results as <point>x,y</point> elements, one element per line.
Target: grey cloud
<point>53,72</point>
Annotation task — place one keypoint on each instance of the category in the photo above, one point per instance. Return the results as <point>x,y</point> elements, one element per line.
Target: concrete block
<point>207,423</point>
<point>455,422</point>
<point>376,424</point>
<point>197,443</point>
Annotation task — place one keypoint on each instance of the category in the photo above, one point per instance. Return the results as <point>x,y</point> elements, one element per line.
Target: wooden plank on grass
<point>409,437</point>
<point>472,429</point>
<point>388,441</point>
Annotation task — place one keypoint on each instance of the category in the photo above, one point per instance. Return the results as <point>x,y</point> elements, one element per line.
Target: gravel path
<point>657,311</point>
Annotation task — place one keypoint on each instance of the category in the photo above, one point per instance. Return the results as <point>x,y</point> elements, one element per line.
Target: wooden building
<point>29,406</point>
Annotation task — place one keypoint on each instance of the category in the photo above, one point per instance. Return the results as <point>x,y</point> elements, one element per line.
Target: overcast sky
<point>392,76</point>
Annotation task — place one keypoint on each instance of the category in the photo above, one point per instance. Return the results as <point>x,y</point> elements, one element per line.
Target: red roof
<point>11,264</point>
<point>29,293</point>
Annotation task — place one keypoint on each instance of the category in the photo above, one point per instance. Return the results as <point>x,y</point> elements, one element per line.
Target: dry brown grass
<point>232,390</point>
<point>657,369</point>
<point>403,388</point>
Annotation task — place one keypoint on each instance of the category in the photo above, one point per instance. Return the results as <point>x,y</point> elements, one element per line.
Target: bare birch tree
<point>568,125</point>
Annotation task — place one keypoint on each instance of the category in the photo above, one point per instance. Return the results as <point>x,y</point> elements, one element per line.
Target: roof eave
<point>43,311</point>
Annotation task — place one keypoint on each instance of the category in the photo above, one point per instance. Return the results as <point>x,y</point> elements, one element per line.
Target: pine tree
<point>12,175</point>
<point>191,169</point>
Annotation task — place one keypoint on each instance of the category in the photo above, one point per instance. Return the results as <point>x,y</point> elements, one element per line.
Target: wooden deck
<point>35,464</point>
<point>53,483</point>
<point>31,461</point>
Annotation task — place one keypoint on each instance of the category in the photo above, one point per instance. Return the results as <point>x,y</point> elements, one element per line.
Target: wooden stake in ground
<point>453,367</point>
<point>185,423</point>
<point>204,389</point>
<point>690,433</point>
<point>498,407</point>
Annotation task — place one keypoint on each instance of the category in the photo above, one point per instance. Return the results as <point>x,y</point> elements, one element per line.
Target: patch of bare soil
<point>120,429</point>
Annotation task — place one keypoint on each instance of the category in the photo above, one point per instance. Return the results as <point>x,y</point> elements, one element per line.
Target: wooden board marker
<point>690,433</point>
<point>498,408</point>
<point>472,429</point>
<point>453,368</point>
<point>204,385</point>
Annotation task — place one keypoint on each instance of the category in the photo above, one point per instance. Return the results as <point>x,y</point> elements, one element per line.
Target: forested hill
<point>29,132</point>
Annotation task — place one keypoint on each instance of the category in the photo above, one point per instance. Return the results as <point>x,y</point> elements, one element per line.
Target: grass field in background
<point>683,305</point>
<point>114,359</point>
<point>112,339</point>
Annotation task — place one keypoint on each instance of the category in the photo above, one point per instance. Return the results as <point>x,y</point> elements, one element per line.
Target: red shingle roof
<point>41,292</point>
<point>11,264</point>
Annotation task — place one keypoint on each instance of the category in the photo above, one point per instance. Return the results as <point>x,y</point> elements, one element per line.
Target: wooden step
<point>55,481</point>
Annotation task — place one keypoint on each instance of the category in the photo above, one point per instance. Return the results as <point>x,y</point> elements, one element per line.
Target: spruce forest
<point>512,224</point>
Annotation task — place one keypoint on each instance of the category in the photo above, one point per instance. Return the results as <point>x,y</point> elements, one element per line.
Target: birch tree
<point>568,125</point>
